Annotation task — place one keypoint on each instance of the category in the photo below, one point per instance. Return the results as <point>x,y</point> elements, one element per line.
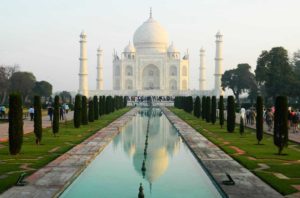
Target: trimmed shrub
<point>84,112</point>
<point>55,123</point>
<point>197,107</point>
<point>38,129</point>
<point>259,119</point>
<point>230,114</point>
<point>242,127</point>
<point>203,113</point>
<point>208,109</point>
<point>100,106</point>
<point>280,136</point>
<point>15,126</point>
<point>125,101</point>
<point>96,108</point>
<point>91,111</point>
<point>213,109</point>
<point>103,105</point>
<point>77,111</point>
<point>189,104</point>
<point>221,111</point>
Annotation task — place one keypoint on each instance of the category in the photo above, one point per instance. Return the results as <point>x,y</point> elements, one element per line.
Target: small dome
<point>129,48</point>
<point>151,35</point>
<point>172,48</point>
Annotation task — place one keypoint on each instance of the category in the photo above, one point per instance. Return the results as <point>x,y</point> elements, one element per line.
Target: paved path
<point>52,179</point>
<point>247,185</point>
<point>295,137</point>
<point>28,126</point>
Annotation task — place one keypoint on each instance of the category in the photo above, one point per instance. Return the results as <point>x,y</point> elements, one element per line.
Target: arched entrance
<point>151,77</point>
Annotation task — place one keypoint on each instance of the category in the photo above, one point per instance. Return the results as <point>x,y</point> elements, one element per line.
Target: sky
<point>42,36</point>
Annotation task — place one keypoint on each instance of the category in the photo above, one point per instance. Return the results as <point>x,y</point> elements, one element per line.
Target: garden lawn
<point>33,157</point>
<point>247,152</point>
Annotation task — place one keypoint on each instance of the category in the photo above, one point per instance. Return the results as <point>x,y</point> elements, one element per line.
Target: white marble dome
<point>129,48</point>
<point>151,35</point>
<point>172,48</point>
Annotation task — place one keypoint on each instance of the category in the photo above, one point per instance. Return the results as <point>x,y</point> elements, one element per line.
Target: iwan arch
<point>150,66</point>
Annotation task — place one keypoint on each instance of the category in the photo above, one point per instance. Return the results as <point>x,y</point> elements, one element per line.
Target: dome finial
<point>150,13</point>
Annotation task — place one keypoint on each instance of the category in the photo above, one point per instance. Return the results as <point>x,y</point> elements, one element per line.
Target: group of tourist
<point>268,115</point>
<point>63,110</point>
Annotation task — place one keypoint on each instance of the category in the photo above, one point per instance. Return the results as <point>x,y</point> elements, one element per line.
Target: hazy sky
<point>42,35</point>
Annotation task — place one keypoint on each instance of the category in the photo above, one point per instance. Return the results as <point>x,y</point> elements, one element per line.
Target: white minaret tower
<point>202,79</point>
<point>99,79</point>
<point>83,70</point>
<point>219,65</point>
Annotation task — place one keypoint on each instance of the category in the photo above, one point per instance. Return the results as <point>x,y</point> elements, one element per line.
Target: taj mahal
<point>150,66</point>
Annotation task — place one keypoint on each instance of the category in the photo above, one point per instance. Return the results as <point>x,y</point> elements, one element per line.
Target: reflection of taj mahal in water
<point>151,66</point>
<point>161,146</point>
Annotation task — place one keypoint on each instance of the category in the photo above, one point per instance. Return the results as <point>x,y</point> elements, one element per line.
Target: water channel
<point>150,151</point>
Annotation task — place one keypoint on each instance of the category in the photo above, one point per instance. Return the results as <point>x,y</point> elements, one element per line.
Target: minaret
<point>99,79</point>
<point>219,65</point>
<point>83,70</point>
<point>202,79</point>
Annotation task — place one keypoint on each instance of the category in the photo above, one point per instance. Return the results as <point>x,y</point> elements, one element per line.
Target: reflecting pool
<point>148,151</point>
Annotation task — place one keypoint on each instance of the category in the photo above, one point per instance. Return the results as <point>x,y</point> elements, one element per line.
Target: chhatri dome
<point>129,48</point>
<point>151,35</point>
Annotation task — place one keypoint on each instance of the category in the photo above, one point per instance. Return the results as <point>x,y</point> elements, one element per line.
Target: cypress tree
<point>55,124</point>
<point>230,114</point>
<point>221,111</point>
<point>77,111</point>
<point>107,104</point>
<point>113,104</point>
<point>37,119</point>
<point>197,107</point>
<point>213,109</point>
<point>84,116</point>
<point>208,109</point>
<point>242,128</point>
<point>100,106</point>
<point>259,119</point>
<point>15,120</point>
<point>104,105</point>
<point>125,101</point>
<point>280,136</point>
<point>203,113</point>
<point>96,109</point>
<point>189,104</point>
<point>91,111</point>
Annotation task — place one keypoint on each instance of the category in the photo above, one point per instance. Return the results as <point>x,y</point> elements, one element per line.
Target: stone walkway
<point>218,163</point>
<point>52,179</point>
<point>28,126</point>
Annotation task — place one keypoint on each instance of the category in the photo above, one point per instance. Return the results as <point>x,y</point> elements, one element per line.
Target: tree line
<point>206,108</point>
<point>85,111</point>
<point>275,75</point>
<point>14,80</point>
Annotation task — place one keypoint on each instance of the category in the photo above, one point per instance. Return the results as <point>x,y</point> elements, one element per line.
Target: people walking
<point>50,112</point>
<point>61,113</point>
<point>269,119</point>
<point>31,113</point>
<point>294,120</point>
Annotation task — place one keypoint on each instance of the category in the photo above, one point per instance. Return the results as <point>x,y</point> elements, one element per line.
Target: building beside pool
<point>150,66</point>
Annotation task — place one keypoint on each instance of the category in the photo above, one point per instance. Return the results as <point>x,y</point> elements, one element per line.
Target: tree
<point>203,113</point>
<point>6,71</point>
<point>77,111</point>
<point>84,111</point>
<point>197,107</point>
<point>103,105</point>
<point>15,127</point>
<point>239,80</point>
<point>242,127</point>
<point>38,129</point>
<point>221,111</point>
<point>22,82</point>
<point>274,72</point>
<point>91,111</point>
<point>96,108</point>
<point>42,88</point>
<point>65,96</point>
<point>100,106</point>
<point>208,109</point>
<point>213,109</point>
<point>230,114</point>
<point>125,101</point>
<point>280,136</point>
<point>55,123</point>
<point>259,119</point>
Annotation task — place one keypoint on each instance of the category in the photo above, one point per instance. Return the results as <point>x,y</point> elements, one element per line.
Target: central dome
<point>151,36</point>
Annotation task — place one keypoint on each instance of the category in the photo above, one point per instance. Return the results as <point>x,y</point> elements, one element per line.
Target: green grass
<point>37,156</point>
<point>287,164</point>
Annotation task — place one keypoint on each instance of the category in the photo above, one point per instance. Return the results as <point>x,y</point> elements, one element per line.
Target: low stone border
<point>217,163</point>
<point>52,179</point>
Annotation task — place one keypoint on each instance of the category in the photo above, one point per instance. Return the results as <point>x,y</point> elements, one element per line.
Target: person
<point>294,121</point>
<point>50,112</point>
<point>31,113</point>
<point>248,116</point>
<point>61,113</point>
<point>2,111</point>
<point>269,119</point>
<point>67,108</point>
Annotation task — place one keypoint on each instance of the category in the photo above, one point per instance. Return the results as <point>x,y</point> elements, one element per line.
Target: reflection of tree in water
<point>163,143</point>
